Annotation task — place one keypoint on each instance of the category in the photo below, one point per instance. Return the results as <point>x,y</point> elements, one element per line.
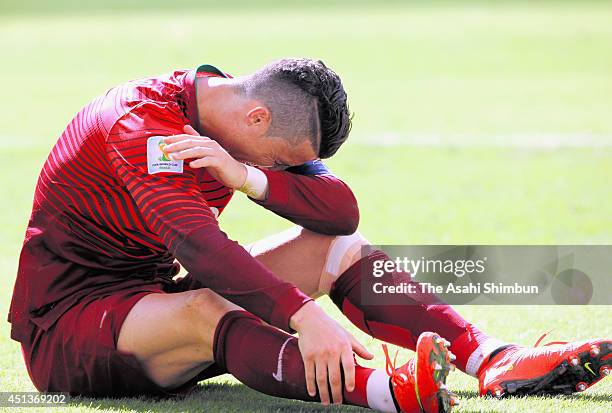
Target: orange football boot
<point>556,368</point>
<point>419,385</point>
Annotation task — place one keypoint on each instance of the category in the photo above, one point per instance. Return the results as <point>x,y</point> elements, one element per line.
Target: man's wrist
<point>255,184</point>
<point>299,318</point>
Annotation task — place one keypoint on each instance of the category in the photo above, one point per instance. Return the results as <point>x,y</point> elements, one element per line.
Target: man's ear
<point>259,117</point>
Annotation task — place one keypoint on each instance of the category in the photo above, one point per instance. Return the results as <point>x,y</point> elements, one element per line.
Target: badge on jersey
<point>158,160</point>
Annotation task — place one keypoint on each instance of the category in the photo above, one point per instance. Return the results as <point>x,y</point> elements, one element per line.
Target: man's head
<point>287,113</point>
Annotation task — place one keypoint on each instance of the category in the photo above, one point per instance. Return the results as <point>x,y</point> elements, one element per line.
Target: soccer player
<point>130,186</point>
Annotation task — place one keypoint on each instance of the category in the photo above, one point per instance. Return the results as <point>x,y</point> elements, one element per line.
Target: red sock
<point>402,324</point>
<point>269,360</point>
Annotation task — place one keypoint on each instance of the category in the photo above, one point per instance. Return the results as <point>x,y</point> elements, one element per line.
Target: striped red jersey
<point>103,221</point>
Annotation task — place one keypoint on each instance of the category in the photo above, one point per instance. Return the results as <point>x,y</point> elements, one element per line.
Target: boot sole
<point>440,400</point>
<point>566,378</point>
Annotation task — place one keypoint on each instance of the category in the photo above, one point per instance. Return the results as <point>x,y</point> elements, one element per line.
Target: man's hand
<point>325,347</point>
<point>206,153</point>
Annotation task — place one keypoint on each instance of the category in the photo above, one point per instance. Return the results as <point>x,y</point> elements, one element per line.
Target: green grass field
<point>475,122</point>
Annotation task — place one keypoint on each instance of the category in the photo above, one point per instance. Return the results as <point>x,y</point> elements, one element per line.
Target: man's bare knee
<point>172,335</point>
<point>295,255</point>
<point>182,319</point>
<point>295,237</point>
<point>205,308</point>
<point>205,304</point>
<point>309,260</point>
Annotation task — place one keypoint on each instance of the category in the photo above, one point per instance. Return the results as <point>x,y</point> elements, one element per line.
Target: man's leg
<point>176,336</point>
<point>335,265</point>
<point>172,335</point>
<point>321,264</point>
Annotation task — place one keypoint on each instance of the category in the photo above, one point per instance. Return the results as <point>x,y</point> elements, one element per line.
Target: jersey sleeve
<point>172,206</point>
<point>311,196</point>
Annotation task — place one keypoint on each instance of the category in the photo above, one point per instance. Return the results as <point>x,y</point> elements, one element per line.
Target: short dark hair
<point>306,99</point>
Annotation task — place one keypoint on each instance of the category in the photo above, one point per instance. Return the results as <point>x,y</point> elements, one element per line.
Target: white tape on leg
<point>378,392</point>
<point>480,354</point>
<point>343,252</point>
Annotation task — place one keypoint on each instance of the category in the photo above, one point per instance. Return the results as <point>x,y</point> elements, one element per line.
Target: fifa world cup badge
<point>157,158</point>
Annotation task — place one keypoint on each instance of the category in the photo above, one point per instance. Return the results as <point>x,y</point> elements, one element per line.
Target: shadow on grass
<point>233,397</point>
<point>472,394</point>
<point>591,397</point>
<point>211,397</point>
<point>466,394</point>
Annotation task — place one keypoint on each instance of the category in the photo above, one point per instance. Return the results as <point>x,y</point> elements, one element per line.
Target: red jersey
<point>104,220</point>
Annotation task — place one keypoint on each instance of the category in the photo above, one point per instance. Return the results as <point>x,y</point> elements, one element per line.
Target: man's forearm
<point>320,203</point>
<point>228,269</point>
